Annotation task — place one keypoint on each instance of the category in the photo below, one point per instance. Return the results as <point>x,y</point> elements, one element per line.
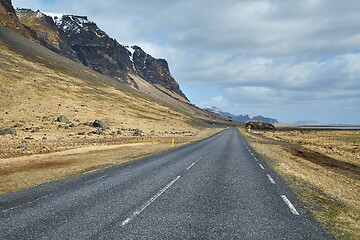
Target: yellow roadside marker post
<point>173,143</point>
<point>249,128</point>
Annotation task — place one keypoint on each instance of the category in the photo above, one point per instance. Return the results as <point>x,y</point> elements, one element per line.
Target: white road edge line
<point>270,178</point>
<point>290,205</point>
<point>262,167</point>
<point>151,200</point>
<point>255,158</point>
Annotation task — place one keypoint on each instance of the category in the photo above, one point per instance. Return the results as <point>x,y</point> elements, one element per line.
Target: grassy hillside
<point>38,85</point>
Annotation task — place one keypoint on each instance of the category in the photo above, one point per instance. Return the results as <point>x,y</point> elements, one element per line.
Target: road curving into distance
<point>214,189</point>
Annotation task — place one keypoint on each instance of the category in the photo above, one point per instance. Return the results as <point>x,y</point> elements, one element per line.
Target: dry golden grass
<point>34,93</point>
<point>28,171</point>
<point>35,99</point>
<point>326,180</point>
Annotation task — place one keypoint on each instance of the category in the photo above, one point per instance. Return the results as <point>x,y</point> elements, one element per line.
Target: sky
<point>290,60</point>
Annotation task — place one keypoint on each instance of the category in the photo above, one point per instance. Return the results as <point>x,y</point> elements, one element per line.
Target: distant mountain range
<point>241,118</point>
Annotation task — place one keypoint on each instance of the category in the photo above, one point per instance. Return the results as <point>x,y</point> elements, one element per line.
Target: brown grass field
<point>28,171</point>
<point>323,168</point>
<point>38,85</point>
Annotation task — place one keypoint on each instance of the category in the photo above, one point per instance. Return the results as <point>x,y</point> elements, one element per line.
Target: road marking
<point>251,153</point>
<point>27,203</point>
<point>262,167</point>
<point>255,158</point>
<point>290,205</point>
<point>150,201</point>
<point>270,179</point>
<point>193,164</point>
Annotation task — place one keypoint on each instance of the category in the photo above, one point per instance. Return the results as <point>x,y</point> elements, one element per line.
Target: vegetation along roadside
<point>323,170</point>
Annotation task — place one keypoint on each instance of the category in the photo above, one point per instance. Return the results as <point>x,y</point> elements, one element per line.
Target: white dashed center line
<point>150,201</point>
<point>193,164</point>
<point>262,167</point>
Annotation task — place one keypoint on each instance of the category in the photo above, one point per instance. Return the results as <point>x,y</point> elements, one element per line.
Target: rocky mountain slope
<point>241,118</point>
<point>9,19</point>
<point>49,102</point>
<point>83,41</point>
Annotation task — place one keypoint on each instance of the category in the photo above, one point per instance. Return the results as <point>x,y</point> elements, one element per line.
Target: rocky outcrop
<point>100,124</point>
<point>265,119</point>
<point>259,125</point>
<point>155,71</point>
<point>62,119</point>
<point>44,30</point>
<point>5,131</point>
<point>9,19</point>
<point>94,48</point>
<point>82,40</point>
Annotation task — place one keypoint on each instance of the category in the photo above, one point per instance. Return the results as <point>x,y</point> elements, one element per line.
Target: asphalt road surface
<point>214,189</point>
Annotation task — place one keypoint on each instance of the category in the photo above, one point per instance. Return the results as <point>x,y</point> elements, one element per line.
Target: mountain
<point>38,85</point>
<point>266,119</point>
<point>9,19</point>
<point>81,40</point>
<point>241,118</point>
<point>155,71</point>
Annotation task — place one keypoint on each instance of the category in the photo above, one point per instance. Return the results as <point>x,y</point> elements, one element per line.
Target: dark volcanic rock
<point>98,131</point>
<point>62,119</point>
<point>24,146</point>
<point>36,130</point>
<point>138,132</point>
<point>100,124</point>
<point>4,131</point>
<point>94,48</point>
<point>155,71</point>
<point>259,125</point>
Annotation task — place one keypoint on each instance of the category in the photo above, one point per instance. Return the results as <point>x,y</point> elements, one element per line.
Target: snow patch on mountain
<point>132,51</point>
<point>71,22</point>
<point>55,16</point>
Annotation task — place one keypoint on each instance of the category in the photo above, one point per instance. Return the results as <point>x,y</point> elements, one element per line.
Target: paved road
<point>214,189</point>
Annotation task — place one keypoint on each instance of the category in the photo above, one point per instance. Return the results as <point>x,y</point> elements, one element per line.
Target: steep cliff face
<point>43,29</point>
<point>94,48</point>
<point>9,19</point>
<point>82,40</point>
<point>155,71</point>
